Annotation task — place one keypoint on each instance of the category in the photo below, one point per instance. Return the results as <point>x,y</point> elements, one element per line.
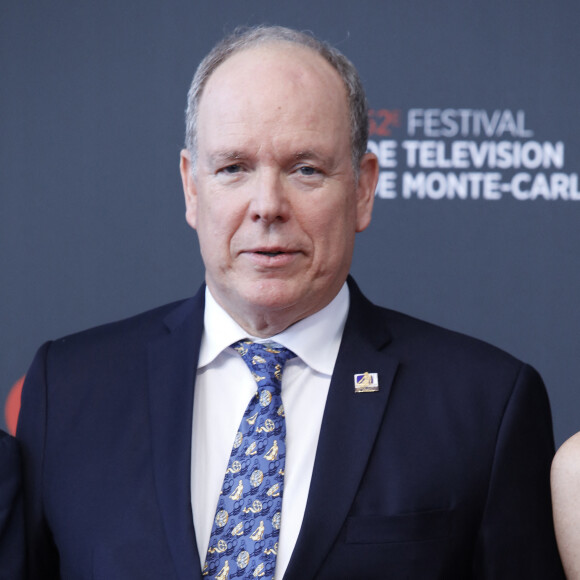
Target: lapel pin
<point>366,382</point>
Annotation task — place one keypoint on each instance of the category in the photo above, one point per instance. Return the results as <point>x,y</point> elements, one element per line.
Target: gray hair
<point>244,38</point>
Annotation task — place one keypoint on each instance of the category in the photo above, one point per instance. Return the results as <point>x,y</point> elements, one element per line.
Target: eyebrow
<point>309,154</point>
<point>225,156</point>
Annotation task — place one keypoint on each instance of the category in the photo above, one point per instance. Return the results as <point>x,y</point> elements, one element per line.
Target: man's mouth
<point>272,257</point>
<point>271,254</point>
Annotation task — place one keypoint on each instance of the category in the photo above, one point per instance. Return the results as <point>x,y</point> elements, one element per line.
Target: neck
<point>266,324</point>
<point>264,321</point>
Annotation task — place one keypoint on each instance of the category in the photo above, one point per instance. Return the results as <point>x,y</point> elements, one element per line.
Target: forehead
<point>298,63</point>
<point>270,83</point>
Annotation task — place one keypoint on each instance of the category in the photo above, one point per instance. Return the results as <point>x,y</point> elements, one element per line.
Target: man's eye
<point>231,169</point>
<point>307,170</point>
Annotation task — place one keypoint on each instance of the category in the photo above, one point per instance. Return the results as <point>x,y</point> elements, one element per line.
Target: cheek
<point>217,224</point>
<point>332,236</point>
<point>331,222</point>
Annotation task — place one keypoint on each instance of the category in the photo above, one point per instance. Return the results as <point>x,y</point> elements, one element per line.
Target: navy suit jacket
<point>443,473</point>
<point>12,553</point>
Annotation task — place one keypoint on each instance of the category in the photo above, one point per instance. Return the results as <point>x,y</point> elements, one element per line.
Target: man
<point>411,451</point>
<point>11,519</point>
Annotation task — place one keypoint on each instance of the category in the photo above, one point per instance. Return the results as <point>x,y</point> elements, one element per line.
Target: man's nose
<point>269,198</point>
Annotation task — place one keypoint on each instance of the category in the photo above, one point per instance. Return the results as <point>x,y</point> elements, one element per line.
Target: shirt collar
<point>315,339</point>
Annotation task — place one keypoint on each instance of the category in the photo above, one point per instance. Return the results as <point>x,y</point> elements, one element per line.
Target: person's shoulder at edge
<point>11,518</point>
<point>566,463</point>
<point>8,446</point>
<point>565,480</point>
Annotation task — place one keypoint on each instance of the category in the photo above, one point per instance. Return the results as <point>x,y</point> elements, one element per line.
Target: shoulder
<point>9,472</point>
<point>442,360</point>
<point>117,346</point>
<point>143,321</point>
<point>128,333</point>
<point>9,454</point>
<point>420,335</point>
<point>413,338</point>
<point>11,516</point>
<point>566,465</point>
<point>565,482</point>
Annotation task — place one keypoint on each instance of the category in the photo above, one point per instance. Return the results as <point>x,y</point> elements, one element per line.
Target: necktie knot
<point>265,360</point>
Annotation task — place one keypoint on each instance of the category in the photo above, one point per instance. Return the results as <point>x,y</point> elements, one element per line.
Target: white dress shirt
<point>223,389</point>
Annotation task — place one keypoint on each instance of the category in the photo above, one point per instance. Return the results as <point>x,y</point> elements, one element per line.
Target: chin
<point>273,294</point>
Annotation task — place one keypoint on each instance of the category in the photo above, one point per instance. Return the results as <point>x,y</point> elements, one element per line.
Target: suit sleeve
<point>516,538</point>
<point>12,551</point>
<point>42,556</point>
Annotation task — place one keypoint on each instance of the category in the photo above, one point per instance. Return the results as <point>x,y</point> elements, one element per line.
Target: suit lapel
<point>172,368</point>
<point>349,428</point>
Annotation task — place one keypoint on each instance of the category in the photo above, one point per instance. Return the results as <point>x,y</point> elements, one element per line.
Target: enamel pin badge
<point>366,382</point>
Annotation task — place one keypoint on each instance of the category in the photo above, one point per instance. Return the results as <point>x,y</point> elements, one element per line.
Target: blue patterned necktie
<point>244,536</point>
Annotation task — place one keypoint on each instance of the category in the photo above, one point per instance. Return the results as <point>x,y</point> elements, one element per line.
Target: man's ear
<point>189,188</point>
<point>367,184</point>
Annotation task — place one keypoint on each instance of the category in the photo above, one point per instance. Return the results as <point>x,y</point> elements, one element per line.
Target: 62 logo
<point>381,121</point>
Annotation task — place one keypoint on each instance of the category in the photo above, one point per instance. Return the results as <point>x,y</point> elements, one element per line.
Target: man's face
<point>274,197</point>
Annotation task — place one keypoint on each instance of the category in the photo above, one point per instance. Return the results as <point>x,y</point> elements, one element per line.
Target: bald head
<point>243,39</point>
